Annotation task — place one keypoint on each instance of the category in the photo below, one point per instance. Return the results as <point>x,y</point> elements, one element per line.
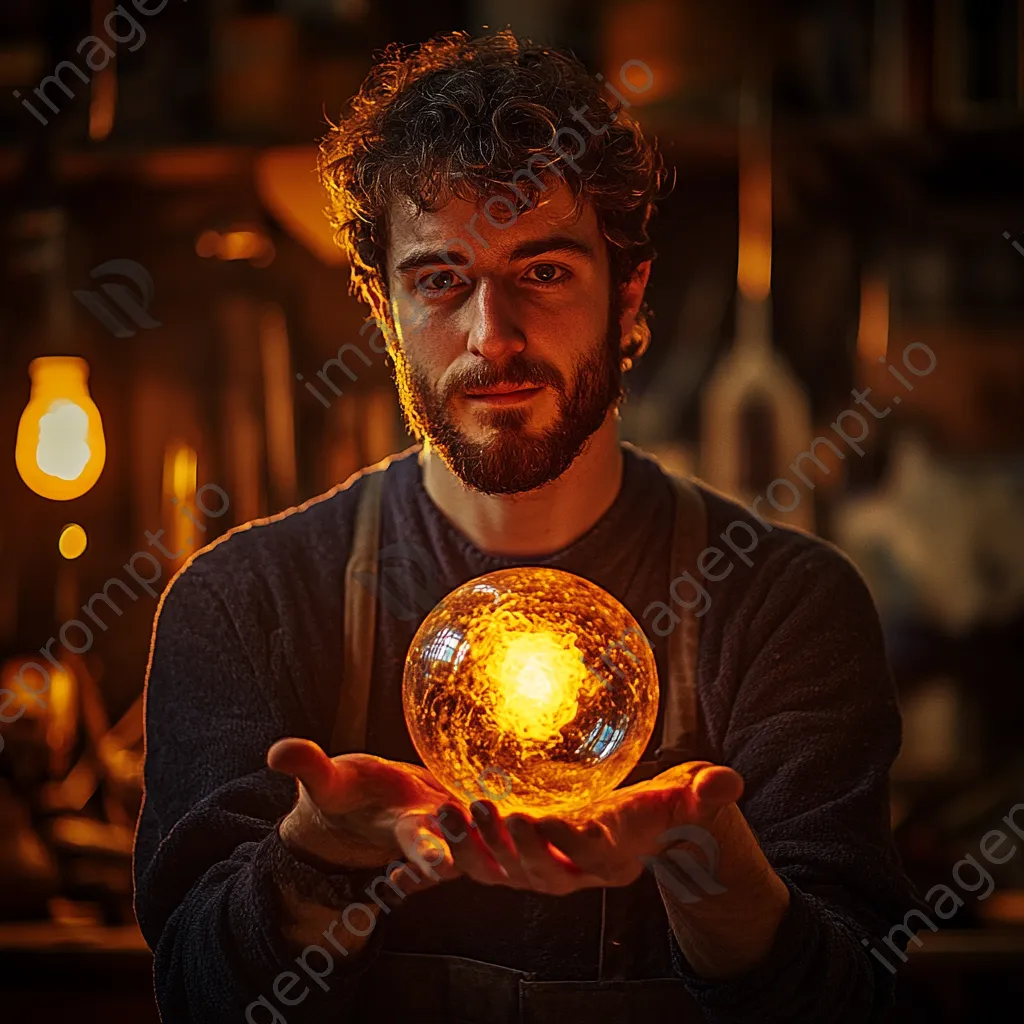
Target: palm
<point>357,807</point>
<point>633,818</point>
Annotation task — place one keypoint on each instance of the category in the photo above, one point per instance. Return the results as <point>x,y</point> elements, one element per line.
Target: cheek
<point>415,323</point>
<point>425,342</point>
<point>568,326</point>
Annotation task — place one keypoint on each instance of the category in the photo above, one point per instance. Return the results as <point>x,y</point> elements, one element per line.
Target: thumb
<point>309,764</point>
<point>715,786</point>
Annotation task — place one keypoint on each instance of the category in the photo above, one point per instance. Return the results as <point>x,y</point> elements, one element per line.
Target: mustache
<point>517,372</point>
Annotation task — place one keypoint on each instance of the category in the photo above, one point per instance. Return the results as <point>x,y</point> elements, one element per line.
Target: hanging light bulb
<point>60,451</point>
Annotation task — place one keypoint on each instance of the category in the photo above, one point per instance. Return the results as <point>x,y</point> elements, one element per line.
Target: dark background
<point>896,158</point>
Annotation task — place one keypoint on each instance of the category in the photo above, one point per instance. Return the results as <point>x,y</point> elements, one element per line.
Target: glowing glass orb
<point>532,687</point>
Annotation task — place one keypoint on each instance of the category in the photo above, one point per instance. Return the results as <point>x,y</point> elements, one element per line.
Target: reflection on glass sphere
<point>532,687</point>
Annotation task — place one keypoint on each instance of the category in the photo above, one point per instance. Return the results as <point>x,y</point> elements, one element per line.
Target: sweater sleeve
<point>814,729</point>
<point>208,859</point>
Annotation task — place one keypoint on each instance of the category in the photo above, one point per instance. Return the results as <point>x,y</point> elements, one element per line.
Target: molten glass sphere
<point>531,687</point>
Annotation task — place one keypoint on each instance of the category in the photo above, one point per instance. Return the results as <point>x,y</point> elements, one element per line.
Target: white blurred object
<point>755,414</point>
<point>940,539</point>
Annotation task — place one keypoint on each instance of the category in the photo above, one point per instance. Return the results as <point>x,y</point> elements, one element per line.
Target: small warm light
<point>73,541</point>
<point>184,466</point>
<point>45,691</point>
<point>535,679</point>
<point>181,471</point>
<point>207,244</point>
<point>754,268</point>
<point>60,450</point>
<point>873,330</point>
<point>103,105</point>
<point>240,243</point>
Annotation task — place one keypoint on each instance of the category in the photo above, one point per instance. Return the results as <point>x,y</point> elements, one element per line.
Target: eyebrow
<point>552,244</point>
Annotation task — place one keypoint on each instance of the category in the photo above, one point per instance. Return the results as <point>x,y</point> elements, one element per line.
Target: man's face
<point>507,349</point>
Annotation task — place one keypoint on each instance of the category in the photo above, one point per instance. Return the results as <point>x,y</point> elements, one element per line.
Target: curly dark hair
<point>476,118</point>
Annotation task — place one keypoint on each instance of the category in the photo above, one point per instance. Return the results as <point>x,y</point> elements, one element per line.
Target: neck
<point>536,522</point>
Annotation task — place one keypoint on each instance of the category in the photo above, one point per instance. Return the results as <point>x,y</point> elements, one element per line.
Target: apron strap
<point>680,734</point>
<point>689,538</point>
<point>360,628</point>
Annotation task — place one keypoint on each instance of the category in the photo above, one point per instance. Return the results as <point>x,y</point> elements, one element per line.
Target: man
<point>505,261</point>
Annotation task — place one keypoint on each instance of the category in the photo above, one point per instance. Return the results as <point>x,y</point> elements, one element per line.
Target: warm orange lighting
<point>102,105</point>
<point>43,690</point>
<point>873,331</point>
<point>183,469</point>
<point>60,450</point>
<point>290,189</point>
<point>103,102</point>
<point>207,244</point>
<point>181,472</point>
<point>536,680</point>
<point>73,541</point>
<point>241,243</point>
<point>754,268</point>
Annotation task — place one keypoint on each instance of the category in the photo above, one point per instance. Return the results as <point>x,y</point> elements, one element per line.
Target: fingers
<point>407,881</point>
<point>323,780</point>
<point>589,847</point>
<point>424,848</point>
<point>547,869</point>
<point>705,788</point>
<point>527,857</point>
<point>715,786</point>
<point>499,843</point>
<point>535,853</point>
<point>469,851</point>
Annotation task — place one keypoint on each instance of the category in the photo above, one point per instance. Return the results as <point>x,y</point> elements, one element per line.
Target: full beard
<point>515,459</point>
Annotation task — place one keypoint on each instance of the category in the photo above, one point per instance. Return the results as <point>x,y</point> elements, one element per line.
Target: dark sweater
<point>794,693</point>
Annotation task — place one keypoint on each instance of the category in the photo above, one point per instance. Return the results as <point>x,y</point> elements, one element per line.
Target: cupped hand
<point>361,811</point>
<point>606,844</point>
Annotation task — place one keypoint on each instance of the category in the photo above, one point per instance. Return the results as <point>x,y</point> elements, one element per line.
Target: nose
<point>494,330</point>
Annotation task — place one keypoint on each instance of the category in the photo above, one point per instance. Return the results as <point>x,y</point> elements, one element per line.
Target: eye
<point>548,273</point>
<point>437,283</point>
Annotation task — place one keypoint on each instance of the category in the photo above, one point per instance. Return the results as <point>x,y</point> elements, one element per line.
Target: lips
<point>502,389</point>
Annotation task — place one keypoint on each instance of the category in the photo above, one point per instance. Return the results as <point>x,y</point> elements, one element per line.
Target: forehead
<point>460,225</point>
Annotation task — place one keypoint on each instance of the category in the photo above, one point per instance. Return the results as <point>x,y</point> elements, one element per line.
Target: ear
<point>632,296</point>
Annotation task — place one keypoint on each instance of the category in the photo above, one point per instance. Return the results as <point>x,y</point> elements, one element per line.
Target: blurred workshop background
<point>848,215</point>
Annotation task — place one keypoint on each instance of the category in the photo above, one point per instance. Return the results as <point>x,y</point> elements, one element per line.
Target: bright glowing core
<point>538,677</point>
<point>63,449</point>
